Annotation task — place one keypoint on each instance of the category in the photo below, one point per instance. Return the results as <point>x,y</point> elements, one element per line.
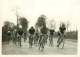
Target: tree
<point>41,21</point>
<point>6,31</point>
<point>52,24</point>
<point>23,22</point>
<point>67,25</point>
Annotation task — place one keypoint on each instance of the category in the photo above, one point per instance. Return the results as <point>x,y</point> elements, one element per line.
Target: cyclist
<point>61,32</point>
<point>31,32</point>
<point>43,37</point>
<point>19,34</point>
<point>51,37</point>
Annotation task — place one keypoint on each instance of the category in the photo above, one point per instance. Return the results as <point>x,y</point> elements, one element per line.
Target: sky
<point>57,10</point>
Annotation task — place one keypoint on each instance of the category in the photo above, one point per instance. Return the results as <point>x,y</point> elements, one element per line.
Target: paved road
<point>69,49</point>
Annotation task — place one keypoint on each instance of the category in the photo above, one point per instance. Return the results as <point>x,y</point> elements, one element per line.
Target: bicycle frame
<point>42,42</point>
<point>61,41</point>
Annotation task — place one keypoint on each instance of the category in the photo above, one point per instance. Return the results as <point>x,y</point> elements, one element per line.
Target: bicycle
<point>31,41</point>
<point>36,38</point>
<point>51,40</point>
<point>19,40</point>
<point>61,41</point>
<point>42,42</point>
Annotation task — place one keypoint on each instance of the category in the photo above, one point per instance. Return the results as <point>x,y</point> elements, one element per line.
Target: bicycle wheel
<point>42,47</point>
<point>61,43</point>
<point>30,41</point>
<point>51,41</point>
<point>41,43</point>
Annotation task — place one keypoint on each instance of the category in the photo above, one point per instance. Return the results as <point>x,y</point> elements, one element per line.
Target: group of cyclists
<point>42,36</point>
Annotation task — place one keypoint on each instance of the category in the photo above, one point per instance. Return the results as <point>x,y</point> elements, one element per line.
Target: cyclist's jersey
<point>51,32</point>
<point>62,29</point>
<point>20,31</point>
<point>31,31</point>
<point>44,31</point>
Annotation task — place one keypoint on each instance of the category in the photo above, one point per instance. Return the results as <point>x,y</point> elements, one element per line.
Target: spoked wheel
<point>41,47</point>
<point>19,41</point>
<point>41,44</point>
<point>50,41</point>
<point>61,44</point>
<point>31,42</point>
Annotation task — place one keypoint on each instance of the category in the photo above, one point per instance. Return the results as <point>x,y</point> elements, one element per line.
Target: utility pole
<point>19,38</point>
<point>17,16</point>
<point>16,13</point>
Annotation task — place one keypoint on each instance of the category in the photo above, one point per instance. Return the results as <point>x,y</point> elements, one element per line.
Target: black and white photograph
<point>39,27</point>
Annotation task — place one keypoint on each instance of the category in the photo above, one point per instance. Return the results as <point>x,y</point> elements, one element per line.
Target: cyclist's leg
<point>58,39</point>
<point>42,42</point>
<point>51,40</point>
<point>24,37</point>
<point>58,42</point>
<point>46,38</point>
<point>36,40</point>
<point>61,39</point>
<point>32,39</point>
<point>39,40</point>
<point>42,46</point>
<point>39,43</point>
<point>29,41</point>
<point>20,40</point>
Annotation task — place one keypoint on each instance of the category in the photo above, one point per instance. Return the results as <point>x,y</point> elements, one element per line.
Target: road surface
<point>70,48</point>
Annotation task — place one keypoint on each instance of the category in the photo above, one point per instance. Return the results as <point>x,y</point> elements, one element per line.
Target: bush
<point>72,35</point>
